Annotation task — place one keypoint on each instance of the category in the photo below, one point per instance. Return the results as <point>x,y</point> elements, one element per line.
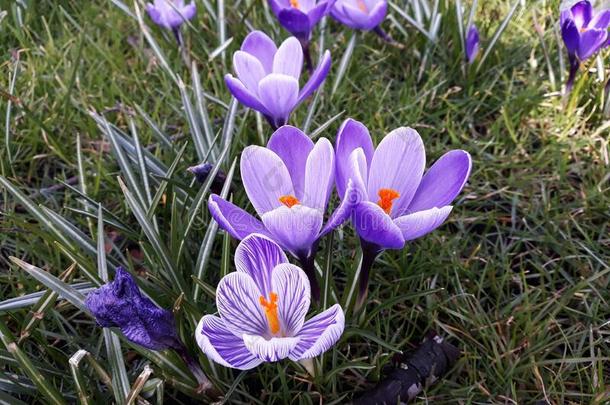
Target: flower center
<point>362,6</point>
<point>270,308</point>
<point>294,3</point>
<point>387,197</point>
<point>289,200</point>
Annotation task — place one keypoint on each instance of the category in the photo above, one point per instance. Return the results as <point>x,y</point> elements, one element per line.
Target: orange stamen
<point>289,200</point>
<point>294,3</point>
<point>362,6</point>
<point>270,308</point>
<point>387,197</point>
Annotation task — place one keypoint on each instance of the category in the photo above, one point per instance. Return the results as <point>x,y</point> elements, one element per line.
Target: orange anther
<point>289,200</point>
<point>387,197</point>
<point>270,308</point>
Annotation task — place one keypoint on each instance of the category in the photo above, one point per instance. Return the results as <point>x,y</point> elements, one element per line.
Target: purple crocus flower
<point>299,17</point>
<point>121,304</point>
<point>584,33</point>
<point>363,15</point>
<point>268,77</point>
<point>262,309</point>
<point>289,184</point>
<point>171,14</point>
<point>472,43</point>
<point>398,203</point>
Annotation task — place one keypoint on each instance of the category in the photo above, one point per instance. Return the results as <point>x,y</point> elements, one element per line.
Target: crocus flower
<point>262,309</point>
<point>398,203</point>
<point>584,33</point>
<point>299,17</point>
<point>363,15</point>
<point>268,77</point>
<point>472,43</point>
<point>121,304</point>
<point>289,184</point>
<point>171,14</point>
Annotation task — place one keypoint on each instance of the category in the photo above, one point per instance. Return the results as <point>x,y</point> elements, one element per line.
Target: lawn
<point>102,114</point>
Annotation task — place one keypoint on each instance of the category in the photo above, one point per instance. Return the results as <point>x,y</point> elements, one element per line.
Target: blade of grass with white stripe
<point>170,270</point>
<point>498,33</point>
<point>84,397</point>
<point>196,134</point>
<point>49,392</point>
<point>9,105</point>
<point>343,65</point>
<point>202,109</point>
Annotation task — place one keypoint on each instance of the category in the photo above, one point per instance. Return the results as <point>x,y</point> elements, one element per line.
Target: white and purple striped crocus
<point>584,33</point>
<point>397,201</point>
<point>171,14</point>
<point>299,17</point>
<point>472,43</point>
<point>262,308</point>
<point>268,77</point>
<point>363,15</point>
<point>289,184</point>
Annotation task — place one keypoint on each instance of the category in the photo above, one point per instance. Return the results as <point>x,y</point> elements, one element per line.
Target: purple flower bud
<point>472,43</point>
<point>170,14</point>
<point>268,77</point>
<point>121,304</point>
<point>360,14</point>
<point>202,171</point>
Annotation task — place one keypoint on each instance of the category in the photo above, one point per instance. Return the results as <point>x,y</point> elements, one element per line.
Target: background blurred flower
<point>398,203</point>
<point>472,43</point>
<point>171,14</point>
<point>299,17</point>
<point>262,309</point>
<point>584,32</point>
<point>120,304</point>
<point>360,14</point>
<point>289,184</point>
<point>268,77</point>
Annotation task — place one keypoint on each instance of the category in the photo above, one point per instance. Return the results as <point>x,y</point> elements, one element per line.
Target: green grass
<point>517,278</point>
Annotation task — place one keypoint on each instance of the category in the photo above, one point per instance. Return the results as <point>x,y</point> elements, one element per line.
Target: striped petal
<point>222,346</point>
<point>237,299</point>
<point>292,287</point>
<point>319,333</point>
<point>270,350</point>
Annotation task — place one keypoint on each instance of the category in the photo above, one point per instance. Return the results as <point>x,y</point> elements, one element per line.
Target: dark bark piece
<point>412,373</point>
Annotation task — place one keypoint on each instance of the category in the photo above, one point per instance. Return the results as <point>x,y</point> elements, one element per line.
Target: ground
<point>517,278</point>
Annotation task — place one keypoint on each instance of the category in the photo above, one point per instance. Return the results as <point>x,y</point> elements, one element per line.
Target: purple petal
<point>375,226</point>
<point>319,333</point>
<point>153,13</point>
<point>443,181</point>
<point>265,178</point>
<point>317,12</point>
<point>188,12</point>
<point>590,42</point>
<point>351,135</point>
<point>222,346</point>
<point>316,78</point>
<point>293,147</point>
<point>376,15</point>
<point>472,43</point>
<point>319,175</point>
<point>355,17</point>
<point>257,256</point>
<point>292,288</point>
<point>342,213</point>
<point>279,94</point>
<point>571,36</point>
<point>289,58</point>
<point>295,229</point>
<point>237,299</point>
<point>296,22</point>
<point>601,20</point>
<point>262,47</point>
<point>398,164</point>
<point>249,70</point>
<point>237,222</point>
<point>581,13</point>
<point>270,350</point>
<point>243,95</point>
<point>418,224</point>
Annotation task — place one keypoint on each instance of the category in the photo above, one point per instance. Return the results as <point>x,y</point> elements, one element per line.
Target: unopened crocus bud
<point>202,171</point>
<point>472,43</point>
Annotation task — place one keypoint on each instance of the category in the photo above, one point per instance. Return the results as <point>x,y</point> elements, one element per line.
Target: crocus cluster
<point>584,32</point>
<point>262,307</point>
